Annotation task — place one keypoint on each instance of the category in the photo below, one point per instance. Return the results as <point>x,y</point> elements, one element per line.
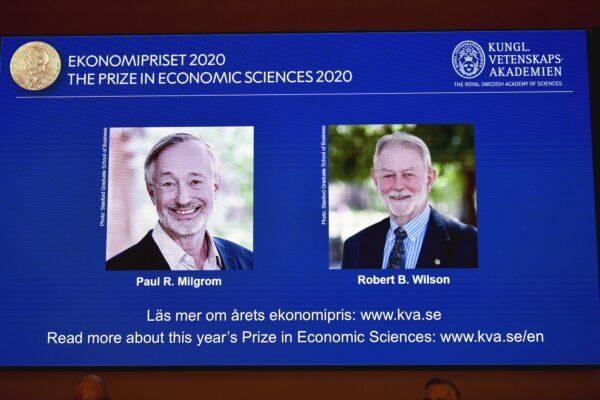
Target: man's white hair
<point>405,140</point>
<point>172,140</point>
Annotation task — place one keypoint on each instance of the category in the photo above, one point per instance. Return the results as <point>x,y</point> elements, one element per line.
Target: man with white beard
<point>182,179</point>
<point>414,235</point>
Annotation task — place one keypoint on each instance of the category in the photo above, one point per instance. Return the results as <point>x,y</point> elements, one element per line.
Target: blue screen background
<point>536,214</point>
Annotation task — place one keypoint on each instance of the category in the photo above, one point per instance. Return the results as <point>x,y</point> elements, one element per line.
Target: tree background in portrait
<point>353,200</point>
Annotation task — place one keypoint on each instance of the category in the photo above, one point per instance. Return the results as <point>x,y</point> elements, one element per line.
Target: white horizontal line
<point>298,94</point>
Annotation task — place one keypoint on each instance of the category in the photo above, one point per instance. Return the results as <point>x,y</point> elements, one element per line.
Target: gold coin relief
<point>35,66</point>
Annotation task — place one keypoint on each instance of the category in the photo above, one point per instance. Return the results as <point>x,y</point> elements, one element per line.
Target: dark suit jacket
<point>453,243</point>
<point>146,255</point>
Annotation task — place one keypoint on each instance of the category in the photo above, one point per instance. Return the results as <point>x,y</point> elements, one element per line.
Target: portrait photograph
<point>402,196</point>
<point>180,198</point>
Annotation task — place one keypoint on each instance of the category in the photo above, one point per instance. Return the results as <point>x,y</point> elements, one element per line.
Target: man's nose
<point>398,182</point>
<point>183,194</point>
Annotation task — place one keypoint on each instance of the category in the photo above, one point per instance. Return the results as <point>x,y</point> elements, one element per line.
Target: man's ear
<point>150,190</point>
<point>431,177</point>
<point>374,176</point>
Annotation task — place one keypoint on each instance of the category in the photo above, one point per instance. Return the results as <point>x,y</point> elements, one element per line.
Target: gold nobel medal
<point>35,66</point>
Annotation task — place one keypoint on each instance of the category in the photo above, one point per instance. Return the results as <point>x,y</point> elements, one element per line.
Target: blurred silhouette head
<point>91,387</point>
<point>441,389</point>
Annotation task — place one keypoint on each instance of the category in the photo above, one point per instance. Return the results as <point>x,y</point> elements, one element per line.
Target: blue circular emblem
<point>468,59</point>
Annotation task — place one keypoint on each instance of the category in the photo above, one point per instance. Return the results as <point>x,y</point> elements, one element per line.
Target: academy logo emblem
<point>468,59</point>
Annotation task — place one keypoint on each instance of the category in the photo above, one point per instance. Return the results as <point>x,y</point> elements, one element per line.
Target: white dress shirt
<point>178,259</point>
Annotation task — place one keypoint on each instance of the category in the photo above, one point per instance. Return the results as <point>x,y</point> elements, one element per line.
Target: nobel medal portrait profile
<point>35,66</point>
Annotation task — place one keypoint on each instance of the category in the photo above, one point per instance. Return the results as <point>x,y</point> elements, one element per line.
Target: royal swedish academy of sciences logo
<point>35,66</point>
<point>468,59</point>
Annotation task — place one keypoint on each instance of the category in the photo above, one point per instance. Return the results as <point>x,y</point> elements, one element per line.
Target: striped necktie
<point>396,260</point>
